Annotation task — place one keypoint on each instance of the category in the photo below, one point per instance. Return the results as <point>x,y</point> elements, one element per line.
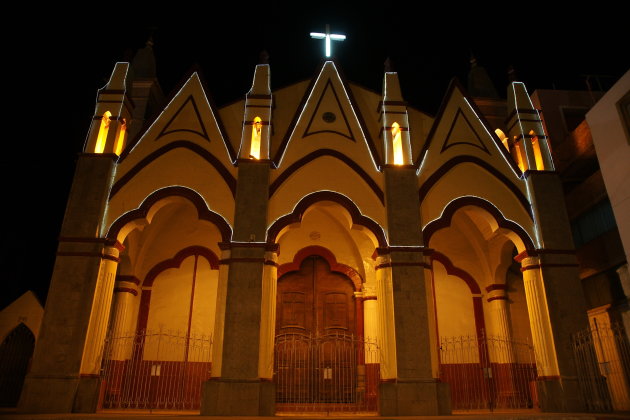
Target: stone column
<point>386,336</point>
<point>268,317</point>
<point>499,325</point>
<point>240,390</point>
<point>78,299</point>
<point>122,329</point>
<point>554,284</point>
<point>370,313</point>
<point>415,390</point>
<point>539,321</point>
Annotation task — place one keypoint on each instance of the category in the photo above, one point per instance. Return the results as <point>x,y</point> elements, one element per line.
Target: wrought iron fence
<point>330,373</point>
<point>155,370</point>
<point>488,372</point>
<point>602,356</point>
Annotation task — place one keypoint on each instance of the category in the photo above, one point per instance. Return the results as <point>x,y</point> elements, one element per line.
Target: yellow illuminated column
<point>219,320</point>
<point>499,325</point>
<point>97,328</point>
<point>539,321</point>
<point>386,326</point>
<point>370,313</point>
<point>268,316</point>
<point>122,328</point>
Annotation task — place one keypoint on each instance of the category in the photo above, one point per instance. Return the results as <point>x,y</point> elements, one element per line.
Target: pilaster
<point>240,384</point>
<point>72,333</point>
<point>414,391</point>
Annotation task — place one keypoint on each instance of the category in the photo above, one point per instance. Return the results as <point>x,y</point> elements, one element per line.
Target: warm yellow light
<point>503,138</point>
<point>254,148</point>
<point>517,153</point>
<point>120,141</point>
<point>397,144</point>
<point>537,152</point>
<point>102,133</point>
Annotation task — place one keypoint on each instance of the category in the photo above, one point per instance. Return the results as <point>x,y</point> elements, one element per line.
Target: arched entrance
<point>16,351</point>
<point>486,351</point>
<point>158,350</point>
<point>326,357</point>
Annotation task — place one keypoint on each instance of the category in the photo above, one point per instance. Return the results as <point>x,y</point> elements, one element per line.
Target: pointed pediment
<point>328,118</point>
<point>187,129</point>
<point>186,118</point>
<point>462,133</point>
<point>328,115</point>
<point>460,136</point>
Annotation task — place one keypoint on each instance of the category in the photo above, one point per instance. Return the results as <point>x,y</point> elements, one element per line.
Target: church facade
<point>315,210</point>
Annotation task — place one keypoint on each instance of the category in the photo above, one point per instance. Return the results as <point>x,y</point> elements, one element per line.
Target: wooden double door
<point>316,346</point>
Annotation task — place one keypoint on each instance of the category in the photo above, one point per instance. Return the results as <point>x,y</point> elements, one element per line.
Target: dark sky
<point>55,66</point>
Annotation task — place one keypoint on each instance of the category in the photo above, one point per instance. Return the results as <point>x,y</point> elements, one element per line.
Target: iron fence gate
<point>602,356</point>
<point>155,370</point>
<point>331,373</point>
<point>488,372</point>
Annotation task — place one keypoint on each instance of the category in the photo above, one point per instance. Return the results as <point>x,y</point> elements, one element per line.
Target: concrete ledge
<point>560,396</point>
<point>48,395</point>
<point>224,397</point>
<point>417,398</point>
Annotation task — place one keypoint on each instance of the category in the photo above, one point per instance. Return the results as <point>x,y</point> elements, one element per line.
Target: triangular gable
<point>328,119</point>
<point>461,135</point>
<point>190,121</point>
<point>187,118</point>
<point>329,116</point>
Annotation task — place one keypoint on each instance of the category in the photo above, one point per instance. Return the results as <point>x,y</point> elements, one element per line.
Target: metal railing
<point>602,356</point>
<point>155,370</point>
<point>331,373</point>
<point>488,372</point>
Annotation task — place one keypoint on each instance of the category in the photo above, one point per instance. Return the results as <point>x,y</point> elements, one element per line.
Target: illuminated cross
<point>328,37</point>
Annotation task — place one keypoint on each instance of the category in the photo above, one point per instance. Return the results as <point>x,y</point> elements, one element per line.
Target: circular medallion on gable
<point>329,117</point>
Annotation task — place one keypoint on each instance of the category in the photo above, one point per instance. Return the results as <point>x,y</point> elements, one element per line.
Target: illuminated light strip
<point>336,192</point>
<point>306,104</point>
<point>487,201</point>
<point>170,186</point>
<point>422,162</point>
<point>539,242</point>
<point>490,135</point>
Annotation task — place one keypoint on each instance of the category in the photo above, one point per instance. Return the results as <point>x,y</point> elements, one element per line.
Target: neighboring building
<point>305,230</point>
<point>594,222</point>
<point>19,327</point>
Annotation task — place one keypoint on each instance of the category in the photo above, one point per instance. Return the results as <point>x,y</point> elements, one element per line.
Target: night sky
<point>55,67</point>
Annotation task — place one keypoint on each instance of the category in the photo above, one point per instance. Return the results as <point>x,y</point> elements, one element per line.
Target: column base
<point>414,398</point>
<point>50,394</point>
<point>238,397</point>
<point>560,395</point>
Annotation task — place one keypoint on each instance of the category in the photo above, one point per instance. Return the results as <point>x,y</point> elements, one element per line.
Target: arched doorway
<point>486,351</point>
<point>315,301</point>
<point>15,355</point>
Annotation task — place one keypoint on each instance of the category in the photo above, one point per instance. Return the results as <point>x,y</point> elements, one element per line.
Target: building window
<point>593,223</point>
<point>397,144</point>
<point>254,149</point>
<point>102,132</point>
<point>120,140</point>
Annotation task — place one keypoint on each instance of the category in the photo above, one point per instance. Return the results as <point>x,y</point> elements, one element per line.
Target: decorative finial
<point>389,65</point>
<point>473,59</point>
<point>263,57</point>
<point>511,71</point>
